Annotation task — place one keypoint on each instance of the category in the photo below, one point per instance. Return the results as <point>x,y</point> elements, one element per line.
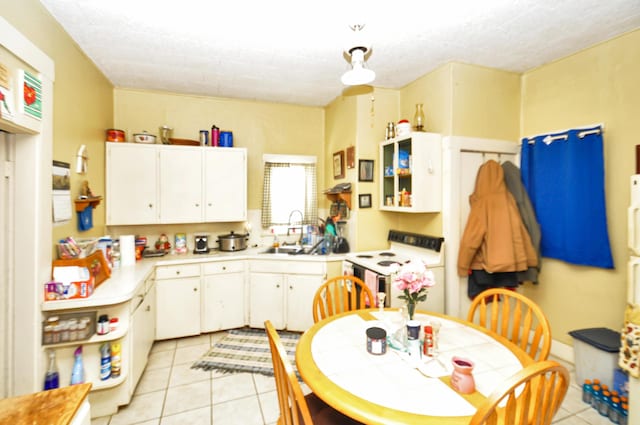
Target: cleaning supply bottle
<point>105,361</point>
<point>77,373</point>
<point>52,377</point>
<point>116,359</point>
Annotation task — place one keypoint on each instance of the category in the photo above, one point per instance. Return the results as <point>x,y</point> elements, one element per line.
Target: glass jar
<point>418,118</point>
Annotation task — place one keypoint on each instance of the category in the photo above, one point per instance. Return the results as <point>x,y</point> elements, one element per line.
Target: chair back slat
<point>341,294</point>
<point>531,396</point>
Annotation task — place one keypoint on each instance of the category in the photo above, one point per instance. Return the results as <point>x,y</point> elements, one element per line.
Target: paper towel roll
<point>127,250</point>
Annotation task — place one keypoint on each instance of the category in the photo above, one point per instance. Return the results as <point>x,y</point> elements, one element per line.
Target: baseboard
<point>562,351</point>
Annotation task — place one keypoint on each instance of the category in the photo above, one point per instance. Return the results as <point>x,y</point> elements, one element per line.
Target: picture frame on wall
<point>338,165</point>
<point>364,200</point>
<point>351,157</point>
<point>365,170</point>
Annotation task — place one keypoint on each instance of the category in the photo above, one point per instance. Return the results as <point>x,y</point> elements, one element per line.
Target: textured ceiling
<point>291,51</point>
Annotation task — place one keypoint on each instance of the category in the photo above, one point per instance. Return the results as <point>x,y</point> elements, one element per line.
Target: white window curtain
<point>289,185</point>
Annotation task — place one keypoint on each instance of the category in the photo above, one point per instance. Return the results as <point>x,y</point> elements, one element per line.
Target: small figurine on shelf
<point>85,191</point>
<point>163,243</point>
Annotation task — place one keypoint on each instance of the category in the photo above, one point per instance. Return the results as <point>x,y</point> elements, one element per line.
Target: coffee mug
<point>226,139</point>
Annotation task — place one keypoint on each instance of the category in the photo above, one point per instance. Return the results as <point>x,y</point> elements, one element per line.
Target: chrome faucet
<point>291,227</point>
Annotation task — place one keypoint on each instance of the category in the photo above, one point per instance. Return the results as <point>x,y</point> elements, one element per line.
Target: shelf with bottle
<point>411,173</point>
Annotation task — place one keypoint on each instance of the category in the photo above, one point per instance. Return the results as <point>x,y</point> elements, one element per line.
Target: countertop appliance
<point>375,267</point>
<point>201,245</point>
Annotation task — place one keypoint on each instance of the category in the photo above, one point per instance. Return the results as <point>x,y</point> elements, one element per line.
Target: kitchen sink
<point>289,250</point>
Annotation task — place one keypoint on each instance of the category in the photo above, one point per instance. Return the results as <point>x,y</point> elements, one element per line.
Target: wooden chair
<point>531,396</point>
<point>295,407</point>
<point>337,295</point>
<point>515,317</point>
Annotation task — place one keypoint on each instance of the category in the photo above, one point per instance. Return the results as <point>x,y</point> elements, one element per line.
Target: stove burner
<point>387,254</point>
<point>387,263</point>
<point>364,256</point>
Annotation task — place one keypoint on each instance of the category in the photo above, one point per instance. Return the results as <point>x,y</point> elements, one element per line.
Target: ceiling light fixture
<point>358,74</point>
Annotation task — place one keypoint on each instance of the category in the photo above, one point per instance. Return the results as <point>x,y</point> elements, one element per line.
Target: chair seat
<point>323,414</point>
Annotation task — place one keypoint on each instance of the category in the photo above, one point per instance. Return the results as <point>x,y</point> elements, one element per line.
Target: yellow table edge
<point>371,413</point>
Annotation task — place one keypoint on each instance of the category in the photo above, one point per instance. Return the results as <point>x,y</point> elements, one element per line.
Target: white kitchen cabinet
<point>412,165</point>
<point>151,184</point>
<point>131,184</point>
<point>282,292</point>
<point>177,301</point>
<point>223,296</point>
<point>181,183</point>
<point>143,325</point>
<point>225,189</point>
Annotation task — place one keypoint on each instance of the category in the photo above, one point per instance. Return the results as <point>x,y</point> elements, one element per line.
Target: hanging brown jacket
<point>494,239</point>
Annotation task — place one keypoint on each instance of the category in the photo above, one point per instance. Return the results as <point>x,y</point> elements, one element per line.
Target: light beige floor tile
<point>101,421</point>
<point>183,374</point>
<point>264,383</point>
<point>233,386</point>
<point>572,420</point>
<point>269,405</point>
<point>190,354</point>
<point>143,407</point>
<point>217,336</point>
<point>187,397</point>
<point>166,345</point>
<point>153,380</point>
<point>591,416</point>
<point>194,340</point>
<point>200,416</point>
<point>160,359</point>
<point>573,401</point>
<point>245,411</point>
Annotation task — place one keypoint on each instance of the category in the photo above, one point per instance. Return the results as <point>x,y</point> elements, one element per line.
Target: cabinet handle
<point>224,268</point>
<point>195,289</point>
<point>177,271</point>
<point>150,205</point>
<point>210,204</point>
<point>290,287</point>
<point>148,308</point>
<point>278,285</point>
<point>197,205</point>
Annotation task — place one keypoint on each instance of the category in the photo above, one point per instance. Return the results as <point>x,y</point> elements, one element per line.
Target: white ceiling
<point>291,51</point>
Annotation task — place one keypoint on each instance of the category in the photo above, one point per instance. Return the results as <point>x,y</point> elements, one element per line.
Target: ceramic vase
<point>462,378</point>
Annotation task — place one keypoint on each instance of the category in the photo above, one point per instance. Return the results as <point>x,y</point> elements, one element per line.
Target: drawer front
<point>173,272</point>
<point>223,267</point>
<point>288,267</point>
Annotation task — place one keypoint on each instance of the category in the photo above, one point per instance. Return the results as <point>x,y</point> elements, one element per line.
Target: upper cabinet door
<point>131,184</point>
<point>180,185</point>
<point>225,171</point>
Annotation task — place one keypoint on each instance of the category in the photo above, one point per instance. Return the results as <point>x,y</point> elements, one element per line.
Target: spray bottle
<point>52,377</point>
<point>77,373</point>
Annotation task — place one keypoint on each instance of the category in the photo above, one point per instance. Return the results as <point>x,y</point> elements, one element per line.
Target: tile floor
<point>171,393</point>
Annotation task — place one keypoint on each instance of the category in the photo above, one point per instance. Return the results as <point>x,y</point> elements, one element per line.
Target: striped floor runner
<point>246,350</point>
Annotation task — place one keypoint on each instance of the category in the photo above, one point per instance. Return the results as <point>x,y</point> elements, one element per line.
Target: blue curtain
<point>564,178</point>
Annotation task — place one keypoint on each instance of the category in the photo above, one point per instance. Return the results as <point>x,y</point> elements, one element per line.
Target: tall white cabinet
<point>153,184</point>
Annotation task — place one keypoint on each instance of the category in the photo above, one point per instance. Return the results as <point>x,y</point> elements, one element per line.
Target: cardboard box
<point>69,282</point>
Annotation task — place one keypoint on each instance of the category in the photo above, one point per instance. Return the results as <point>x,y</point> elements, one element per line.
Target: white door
<point>462,158</point>
<point>180,185</point>
<point>131,181</point>
<point>225,184</point>
<point>6,242</point>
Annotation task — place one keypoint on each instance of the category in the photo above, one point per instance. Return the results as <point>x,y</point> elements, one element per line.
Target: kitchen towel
<point>371,280</point>
<point>127,250</point>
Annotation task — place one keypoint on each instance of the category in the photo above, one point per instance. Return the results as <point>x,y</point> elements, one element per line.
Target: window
<point>289,185</point>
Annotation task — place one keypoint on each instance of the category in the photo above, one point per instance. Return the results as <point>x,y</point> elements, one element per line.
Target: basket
<point>81,248</point>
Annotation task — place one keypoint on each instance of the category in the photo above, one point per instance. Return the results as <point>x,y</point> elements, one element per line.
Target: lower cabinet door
<point>223,302</point>
<point>300,292</point>
<point>178,307</point>
<point>143,323</point>
<point>266,300</point>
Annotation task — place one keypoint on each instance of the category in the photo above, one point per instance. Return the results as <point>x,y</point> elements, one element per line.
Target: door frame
<point>452,149</point>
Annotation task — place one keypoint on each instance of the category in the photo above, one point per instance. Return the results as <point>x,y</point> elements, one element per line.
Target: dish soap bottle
<point>52,377</point>
<point>77,373</point>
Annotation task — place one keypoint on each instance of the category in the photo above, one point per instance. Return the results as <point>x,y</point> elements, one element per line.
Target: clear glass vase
<point>418,118</point>
<point>411,309</point>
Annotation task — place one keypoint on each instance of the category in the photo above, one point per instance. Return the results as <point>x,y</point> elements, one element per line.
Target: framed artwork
<point>365,171</point>
<point>364,201</point>
<point>351,157</point>
<point>338,165</point>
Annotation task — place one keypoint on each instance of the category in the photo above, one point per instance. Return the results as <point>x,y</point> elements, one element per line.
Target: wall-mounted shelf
<point>82,204</point>
<point>342,196</point>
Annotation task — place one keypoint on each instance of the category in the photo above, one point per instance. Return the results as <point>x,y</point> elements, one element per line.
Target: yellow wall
<point>598,85</point>
<point>83,102</point>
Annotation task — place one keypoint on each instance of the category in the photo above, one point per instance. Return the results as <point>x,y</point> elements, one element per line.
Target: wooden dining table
<point>395,387</point>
